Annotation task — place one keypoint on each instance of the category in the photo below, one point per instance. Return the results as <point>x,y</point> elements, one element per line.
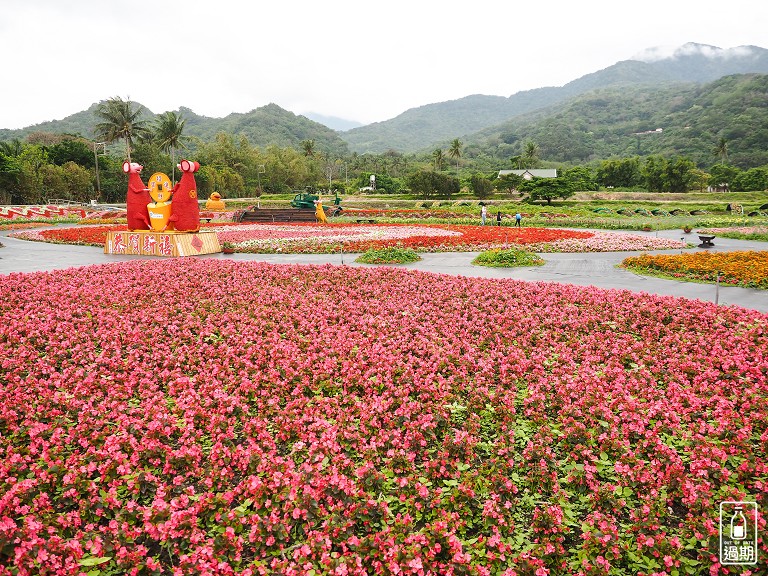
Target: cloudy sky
<point>358,60</point>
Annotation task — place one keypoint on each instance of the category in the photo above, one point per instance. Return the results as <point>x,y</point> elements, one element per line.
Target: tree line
<point>73,167</point>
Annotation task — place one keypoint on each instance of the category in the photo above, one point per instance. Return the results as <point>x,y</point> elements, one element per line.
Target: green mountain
<point>685,119</point>
<point>426,127</point>
<point>697,95</point>
<point>420,128</point>
<point>265,126</point>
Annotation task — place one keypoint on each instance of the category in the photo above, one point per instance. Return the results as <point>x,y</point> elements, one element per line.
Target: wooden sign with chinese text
<point>149,243</point>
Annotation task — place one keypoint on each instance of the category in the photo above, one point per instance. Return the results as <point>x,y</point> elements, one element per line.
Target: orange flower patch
<point>748,269</point>
<point>22,225</point>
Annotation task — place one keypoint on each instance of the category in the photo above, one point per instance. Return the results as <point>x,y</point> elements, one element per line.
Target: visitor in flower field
<point>518,218</point>
<point>498,218</point>
<point>483,214</point>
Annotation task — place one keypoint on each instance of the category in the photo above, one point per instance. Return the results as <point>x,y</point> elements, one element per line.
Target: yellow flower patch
<point>748,268</point>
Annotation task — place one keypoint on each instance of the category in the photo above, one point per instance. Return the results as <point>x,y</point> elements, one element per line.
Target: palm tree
<point>309,147</point>
<point>531,154</point>
<point>439,158</point>
<point>455,153</point>
<point>168,133</point>
<point>11,148</point>
<point>120,120</point>
<point>721,150</point>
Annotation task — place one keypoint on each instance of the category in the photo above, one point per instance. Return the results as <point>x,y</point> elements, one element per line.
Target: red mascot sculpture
<point>185,211</point>
<point>137,199</point>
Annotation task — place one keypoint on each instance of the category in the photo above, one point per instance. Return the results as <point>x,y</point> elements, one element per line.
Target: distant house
<point>531,173</point>
<point>657,131</point>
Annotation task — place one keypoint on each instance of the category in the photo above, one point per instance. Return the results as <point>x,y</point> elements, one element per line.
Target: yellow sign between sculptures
<point>149,243</point>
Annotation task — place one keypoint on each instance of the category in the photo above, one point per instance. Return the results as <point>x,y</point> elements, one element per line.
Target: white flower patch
<point>274,235</point>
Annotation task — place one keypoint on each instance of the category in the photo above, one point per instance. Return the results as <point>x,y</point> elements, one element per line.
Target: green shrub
<point>507,258</point>
<point>389,255</point>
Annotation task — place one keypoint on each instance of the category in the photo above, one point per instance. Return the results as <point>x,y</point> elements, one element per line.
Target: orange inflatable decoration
<point>215,202</point>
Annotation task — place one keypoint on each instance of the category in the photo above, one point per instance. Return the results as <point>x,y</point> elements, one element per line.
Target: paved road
<point>584,269</point>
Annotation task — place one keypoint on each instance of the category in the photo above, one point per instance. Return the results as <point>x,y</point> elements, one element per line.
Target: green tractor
<point>306,201</point>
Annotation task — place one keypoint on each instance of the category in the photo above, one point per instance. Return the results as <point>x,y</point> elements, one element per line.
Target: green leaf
<point>94,560</point>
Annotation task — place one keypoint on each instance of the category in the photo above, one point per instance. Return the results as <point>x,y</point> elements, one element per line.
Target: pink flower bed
<point>758,232</point>
<point>312,238</point>
<point>39,212</point>
<point>287,238</point>
<point>608,242</point>
<point>746,230</point>
<point>218,215</point>
<point>242,418</point>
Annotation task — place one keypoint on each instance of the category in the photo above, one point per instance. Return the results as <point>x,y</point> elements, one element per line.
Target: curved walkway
<point>584,269</point>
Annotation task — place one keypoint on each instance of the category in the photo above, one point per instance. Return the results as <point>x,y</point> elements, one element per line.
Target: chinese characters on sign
<point>165,246</point>
<point>119,244</point>
<point>738,533</point>
<point>172,244</point>
<point>148,246</point>
<point>133,243</point>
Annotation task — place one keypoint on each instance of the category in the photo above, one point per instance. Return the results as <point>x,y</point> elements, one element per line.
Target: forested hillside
<point>678,120</point>
<point>269,125</point>
<point>419,128</point>
<point>425,127</point>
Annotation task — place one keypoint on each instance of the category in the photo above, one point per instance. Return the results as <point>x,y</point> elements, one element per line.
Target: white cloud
<point>356,60</point>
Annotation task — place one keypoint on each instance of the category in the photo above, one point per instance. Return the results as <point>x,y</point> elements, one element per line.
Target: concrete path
<point>584,269</point>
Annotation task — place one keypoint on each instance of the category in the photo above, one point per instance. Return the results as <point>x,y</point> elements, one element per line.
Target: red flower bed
<point>22,225</point>
<point>256,419</point>
<point>40,212</point>
<point>88,235</point>
<point>466,238</point>
<point>474,238</point>
<point>470,238</point>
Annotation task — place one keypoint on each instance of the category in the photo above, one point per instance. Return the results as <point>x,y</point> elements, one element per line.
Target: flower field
<point>740,232</point>
<point>330,238</point>
<point>308,420</point>
<point>22,225</point>
<point>407,214</point>
<point>40,212</point>
<point>747,268</point>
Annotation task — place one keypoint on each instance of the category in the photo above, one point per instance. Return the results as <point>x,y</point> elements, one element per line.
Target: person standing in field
<point>498,218</point>
<point>518,218</point>
<point>483,214</point>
